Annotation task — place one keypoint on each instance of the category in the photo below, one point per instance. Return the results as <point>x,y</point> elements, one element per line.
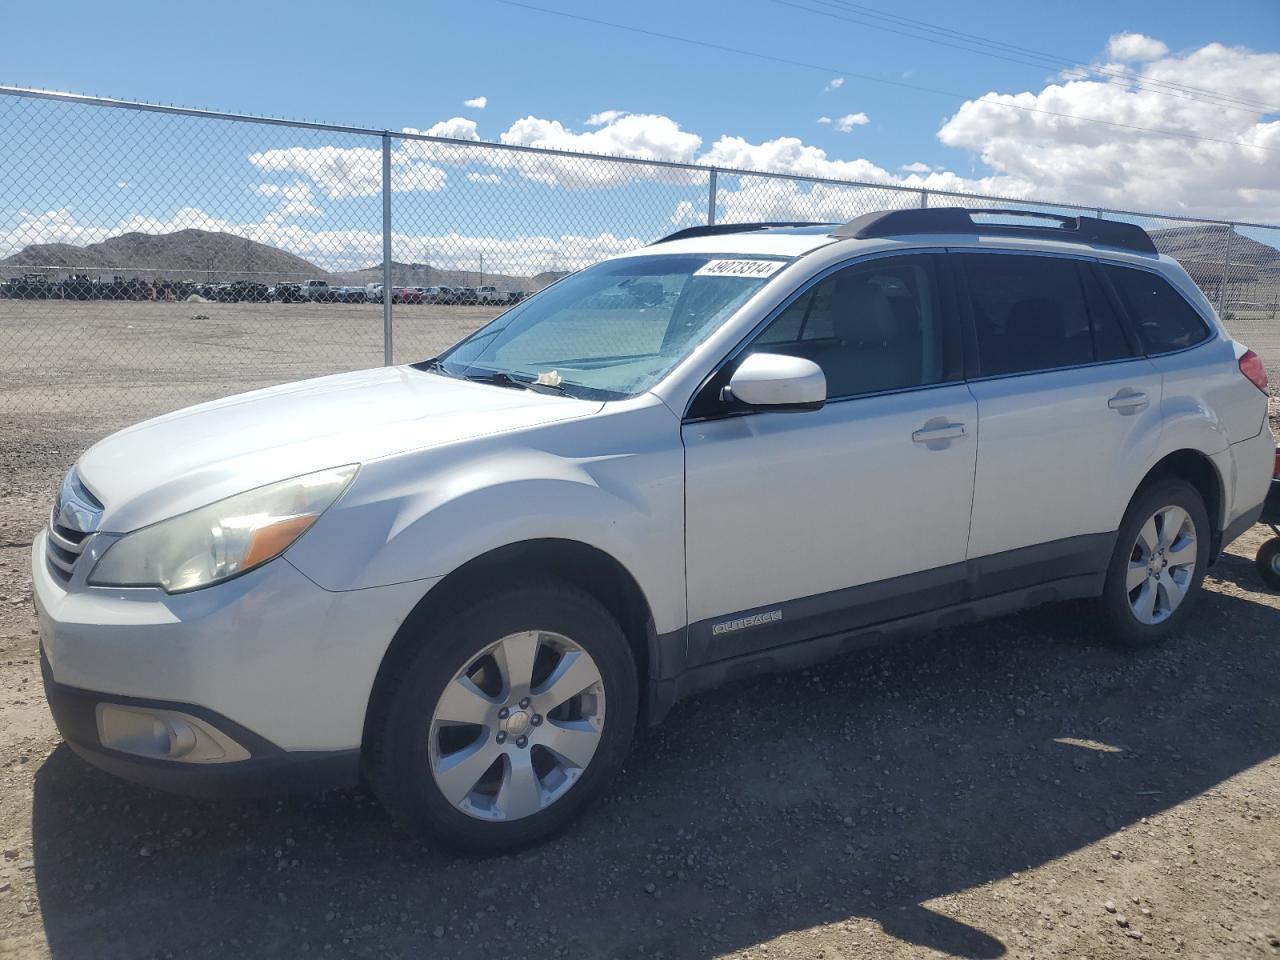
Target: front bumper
<point>271,672</point>
<point>267,770</point>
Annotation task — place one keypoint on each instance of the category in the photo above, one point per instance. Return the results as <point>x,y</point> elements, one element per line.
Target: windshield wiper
<point>434,365</point>
<point>499,378</point>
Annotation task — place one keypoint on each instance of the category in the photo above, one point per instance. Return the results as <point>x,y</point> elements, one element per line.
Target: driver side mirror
<point>774,381</point>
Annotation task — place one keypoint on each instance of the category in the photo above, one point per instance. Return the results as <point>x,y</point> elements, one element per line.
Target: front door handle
<point>1129,400</point>
<point>932,433</point>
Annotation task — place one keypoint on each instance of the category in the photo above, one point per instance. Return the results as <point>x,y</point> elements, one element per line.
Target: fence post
<point>386,249</point>
<point>1226,272</point>
<point>711,200</point>
<point>924,199</point>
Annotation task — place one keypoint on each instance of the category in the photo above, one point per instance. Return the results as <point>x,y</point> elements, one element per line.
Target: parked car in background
<point>373,292</point>
<point>288,293</point>
<point>466,295</point>
<point>349,295</point>
<point>431,294</point>
<point>315,290</point>
<point>406,295</point>
<point>490,294</point>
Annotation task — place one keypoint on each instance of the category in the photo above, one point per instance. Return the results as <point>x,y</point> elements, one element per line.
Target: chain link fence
<point>153,257</point>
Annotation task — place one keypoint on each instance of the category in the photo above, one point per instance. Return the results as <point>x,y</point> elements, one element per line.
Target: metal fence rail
<point>154,256</point>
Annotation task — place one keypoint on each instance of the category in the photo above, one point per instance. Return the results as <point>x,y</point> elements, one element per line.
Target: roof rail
<point>714,229</point>
<point>896,223</point>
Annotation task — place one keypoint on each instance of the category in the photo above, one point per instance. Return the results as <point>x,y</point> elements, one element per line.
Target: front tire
<point>513,714</point>
<point>1157,567</point>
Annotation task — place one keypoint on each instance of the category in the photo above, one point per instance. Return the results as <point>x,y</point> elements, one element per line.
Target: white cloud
<point>835,83</point>
<point>458,128</point>
<point>604,117</point>
<point>850,120</point>
<point>343,172</point>
<point>1135,47</point>
<point>296,199</point>
<point>340,172</point>
<point>484,177</point>
<point>916,167</point>
<point>1065,159</point>
<point>476,103</point>
<point>825,120</point>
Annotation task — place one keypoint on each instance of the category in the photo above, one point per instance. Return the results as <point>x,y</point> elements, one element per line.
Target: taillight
<point>1251,366</point>
<point>1276,472</point>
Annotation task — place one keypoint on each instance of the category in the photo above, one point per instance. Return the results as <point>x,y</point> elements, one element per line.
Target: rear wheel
<point>1161,552</point>
<point>1268,561</point>
<point>514,714</point>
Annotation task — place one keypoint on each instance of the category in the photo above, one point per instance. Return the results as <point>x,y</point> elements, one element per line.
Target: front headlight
<point>223,539</point>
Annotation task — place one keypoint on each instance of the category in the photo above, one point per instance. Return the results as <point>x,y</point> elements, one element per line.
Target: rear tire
<point>1268,561</point>
<point>476,751</point>
<point>1161,553</point>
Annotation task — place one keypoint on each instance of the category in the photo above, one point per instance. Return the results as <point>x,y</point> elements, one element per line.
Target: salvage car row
<point>82,287</point>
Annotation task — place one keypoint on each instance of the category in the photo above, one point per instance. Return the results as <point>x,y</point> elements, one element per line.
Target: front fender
<point>423,515</point>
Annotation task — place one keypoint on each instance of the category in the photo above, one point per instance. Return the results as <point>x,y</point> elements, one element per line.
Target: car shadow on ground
<point>851,793</point>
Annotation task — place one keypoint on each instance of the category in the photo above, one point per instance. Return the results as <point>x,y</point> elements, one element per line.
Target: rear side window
<point>1032,313</point>
<point>1164,319</point>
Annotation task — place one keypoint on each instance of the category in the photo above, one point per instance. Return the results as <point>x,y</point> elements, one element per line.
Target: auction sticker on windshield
<point>739,268</point>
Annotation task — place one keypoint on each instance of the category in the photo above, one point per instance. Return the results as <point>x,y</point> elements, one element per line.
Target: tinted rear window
<point>1029,313</point>
<point>1164,319</point>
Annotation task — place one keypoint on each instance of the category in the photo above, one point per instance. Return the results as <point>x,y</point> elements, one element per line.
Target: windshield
<point>612,330</point>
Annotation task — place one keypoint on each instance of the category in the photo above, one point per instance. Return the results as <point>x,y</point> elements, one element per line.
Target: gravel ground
<point>1013,788</point>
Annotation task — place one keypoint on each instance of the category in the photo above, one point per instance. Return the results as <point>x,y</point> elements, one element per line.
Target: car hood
<point>192,457</point>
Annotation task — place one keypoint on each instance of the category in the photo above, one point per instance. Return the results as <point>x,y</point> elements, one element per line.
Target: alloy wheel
<point>1162,564</point>
<point>517,726</point>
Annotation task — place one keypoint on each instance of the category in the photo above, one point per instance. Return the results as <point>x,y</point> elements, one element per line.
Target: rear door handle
<point>945,431</point>
<point>1129,401</point>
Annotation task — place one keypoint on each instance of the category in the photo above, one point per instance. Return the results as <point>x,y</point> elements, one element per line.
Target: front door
<point>804,524</point>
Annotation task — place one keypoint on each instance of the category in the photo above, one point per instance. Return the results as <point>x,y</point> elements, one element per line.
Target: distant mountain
<point>1201,247</point>
<point>425,275</point>
<point>207,256</point>
<point>185,255</point>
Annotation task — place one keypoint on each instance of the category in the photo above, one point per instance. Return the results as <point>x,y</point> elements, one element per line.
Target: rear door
<point>804,524</point>
<point>1068,412</point>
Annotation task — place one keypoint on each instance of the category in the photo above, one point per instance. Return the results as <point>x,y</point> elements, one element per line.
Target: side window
<point>1029,313</point>
<point>871,327</point>
<point>1165,321</point>
<point>1109,340</point>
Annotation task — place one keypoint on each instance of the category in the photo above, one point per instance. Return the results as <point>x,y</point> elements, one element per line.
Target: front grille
<point>64,547</point>
<point>74,519</point>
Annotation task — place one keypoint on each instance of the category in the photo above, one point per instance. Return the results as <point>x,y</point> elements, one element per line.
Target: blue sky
<point>410,64</point>
<point>398,65</point>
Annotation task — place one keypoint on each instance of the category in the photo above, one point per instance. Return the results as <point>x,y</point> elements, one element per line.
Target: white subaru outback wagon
<point>737,450</point>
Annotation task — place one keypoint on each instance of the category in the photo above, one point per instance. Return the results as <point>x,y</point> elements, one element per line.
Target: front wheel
<point>1155,574</point>
<point>513,714</point>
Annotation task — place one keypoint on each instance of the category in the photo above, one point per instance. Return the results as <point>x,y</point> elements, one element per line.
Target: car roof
<point>789,241</point>
<point>914,228</point>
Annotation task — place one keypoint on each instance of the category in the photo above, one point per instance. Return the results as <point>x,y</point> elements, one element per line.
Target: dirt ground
<point>1013,788</point>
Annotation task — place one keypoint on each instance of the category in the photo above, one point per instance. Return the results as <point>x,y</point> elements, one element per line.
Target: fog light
<point>164,735</point>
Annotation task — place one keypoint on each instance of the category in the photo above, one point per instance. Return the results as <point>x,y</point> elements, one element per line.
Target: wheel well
<point>1199,471</point>
<point>586,567</point>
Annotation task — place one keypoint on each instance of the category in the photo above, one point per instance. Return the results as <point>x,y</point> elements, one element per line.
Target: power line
<point>968,42</point>
<point>707,44</point>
